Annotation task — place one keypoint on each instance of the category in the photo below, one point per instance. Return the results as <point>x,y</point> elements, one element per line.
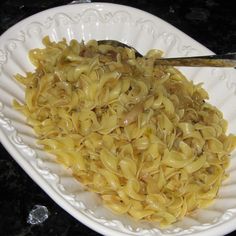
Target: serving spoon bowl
<point>222,60</point>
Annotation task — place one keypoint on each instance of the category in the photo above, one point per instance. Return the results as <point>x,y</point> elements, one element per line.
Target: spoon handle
<point>224,60</point>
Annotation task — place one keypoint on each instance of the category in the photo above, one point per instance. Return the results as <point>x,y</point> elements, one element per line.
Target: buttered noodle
<point>139,134</point>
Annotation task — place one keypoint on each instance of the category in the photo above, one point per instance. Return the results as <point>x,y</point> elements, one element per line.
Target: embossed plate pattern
<point>143,31</point>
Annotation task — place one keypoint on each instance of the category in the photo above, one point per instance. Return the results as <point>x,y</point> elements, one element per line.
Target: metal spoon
<point>223,60</point>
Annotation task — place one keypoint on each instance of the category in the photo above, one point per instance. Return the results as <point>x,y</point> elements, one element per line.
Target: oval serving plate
<point>142,31</point>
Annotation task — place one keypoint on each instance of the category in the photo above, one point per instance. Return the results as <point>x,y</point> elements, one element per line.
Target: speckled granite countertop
<point>211,22</point>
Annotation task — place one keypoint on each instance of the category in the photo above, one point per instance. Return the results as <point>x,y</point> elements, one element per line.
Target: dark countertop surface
<point>211,22</point>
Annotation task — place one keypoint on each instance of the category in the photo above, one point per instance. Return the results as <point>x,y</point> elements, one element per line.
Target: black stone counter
<point>211,22</point>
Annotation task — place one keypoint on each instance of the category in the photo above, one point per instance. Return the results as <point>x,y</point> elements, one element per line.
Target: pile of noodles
<point>140,135</point>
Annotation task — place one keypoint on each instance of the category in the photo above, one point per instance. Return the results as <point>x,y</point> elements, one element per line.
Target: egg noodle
<point>140,135</point>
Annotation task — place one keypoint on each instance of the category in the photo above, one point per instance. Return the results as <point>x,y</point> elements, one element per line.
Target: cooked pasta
<point>140,135</point>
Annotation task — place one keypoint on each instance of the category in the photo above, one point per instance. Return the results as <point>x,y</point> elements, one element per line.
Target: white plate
<point>144,31</point>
